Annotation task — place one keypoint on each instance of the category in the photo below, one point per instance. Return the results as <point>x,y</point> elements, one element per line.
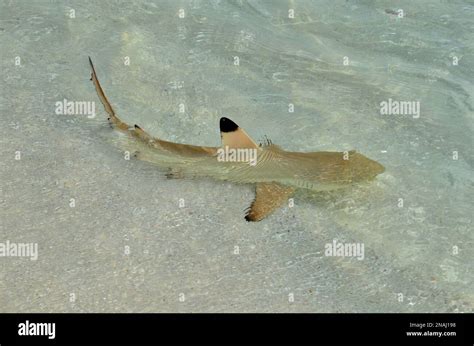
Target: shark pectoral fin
<point>268,197</point>
<point>233,136</point>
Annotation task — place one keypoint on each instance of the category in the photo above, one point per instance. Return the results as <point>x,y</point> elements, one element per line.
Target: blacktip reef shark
<point>276,173</point>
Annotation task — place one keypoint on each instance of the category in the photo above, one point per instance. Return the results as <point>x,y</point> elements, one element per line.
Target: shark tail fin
<point>114,120</point>
<point>137,132</point>
<point>268,197</point>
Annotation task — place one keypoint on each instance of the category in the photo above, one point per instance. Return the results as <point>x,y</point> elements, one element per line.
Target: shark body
<point>275,172</point>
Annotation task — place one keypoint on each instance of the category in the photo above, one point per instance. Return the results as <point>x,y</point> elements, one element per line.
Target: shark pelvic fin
<point>233,136</point>
<point>268,197</point>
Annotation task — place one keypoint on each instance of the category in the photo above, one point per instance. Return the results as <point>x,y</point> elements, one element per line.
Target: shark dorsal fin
<point>268,197</point>
<point>235,137</point>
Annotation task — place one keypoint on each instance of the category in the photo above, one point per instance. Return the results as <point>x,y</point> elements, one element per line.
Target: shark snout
<point>378,168</point>
<point>374,168</point>
<point>365,168</point>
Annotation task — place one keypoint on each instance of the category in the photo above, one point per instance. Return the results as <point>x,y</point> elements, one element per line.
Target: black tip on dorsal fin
<point>234,136</point>
<point>227,125</point>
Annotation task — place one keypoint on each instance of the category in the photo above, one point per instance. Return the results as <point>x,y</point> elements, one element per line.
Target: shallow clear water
<point>128,246</point>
